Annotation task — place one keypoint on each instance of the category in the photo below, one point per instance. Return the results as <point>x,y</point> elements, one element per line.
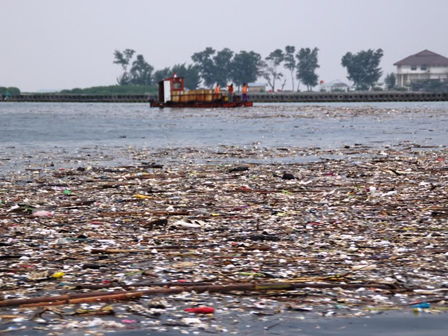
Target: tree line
<point>210,67</point>
<point>6,91</point>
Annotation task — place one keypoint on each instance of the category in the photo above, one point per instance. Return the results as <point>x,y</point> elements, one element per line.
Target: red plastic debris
<point>244,188</point>
<point>200,310</point>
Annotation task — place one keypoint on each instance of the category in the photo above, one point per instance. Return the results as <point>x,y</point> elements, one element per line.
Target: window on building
<point>413,67</point>
<point>423,67</point>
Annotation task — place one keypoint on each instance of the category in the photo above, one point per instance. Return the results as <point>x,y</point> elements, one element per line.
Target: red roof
<point>424,57</point>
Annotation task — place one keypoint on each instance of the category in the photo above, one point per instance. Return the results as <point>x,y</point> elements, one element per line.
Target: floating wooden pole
<point>129,295</point>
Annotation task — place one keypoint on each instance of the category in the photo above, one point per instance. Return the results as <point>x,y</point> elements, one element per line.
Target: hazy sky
<point>63,44</point>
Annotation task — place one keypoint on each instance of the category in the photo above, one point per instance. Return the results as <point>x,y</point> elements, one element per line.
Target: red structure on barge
<point>172,94</point>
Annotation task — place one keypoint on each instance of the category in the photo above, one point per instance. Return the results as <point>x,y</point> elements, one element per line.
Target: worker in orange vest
<point>230,89</point>
<point>244,90</point>
<point>217,89</point>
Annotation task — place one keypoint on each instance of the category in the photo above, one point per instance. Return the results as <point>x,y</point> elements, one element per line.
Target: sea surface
<point>45,132</point>
<point>36,134</point>
<point>73,125</point>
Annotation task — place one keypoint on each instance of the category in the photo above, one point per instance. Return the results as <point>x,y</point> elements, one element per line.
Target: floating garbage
<point>354,230</point>
<point>200,310</point>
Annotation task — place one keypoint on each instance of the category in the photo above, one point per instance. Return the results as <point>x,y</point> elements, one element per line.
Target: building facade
<point>257,87</point>
<point>334,86</point>
<point>425,65</point>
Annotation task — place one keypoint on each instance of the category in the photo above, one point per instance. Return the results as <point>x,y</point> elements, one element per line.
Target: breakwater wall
<point>302,97</point>
<point>323,97</point>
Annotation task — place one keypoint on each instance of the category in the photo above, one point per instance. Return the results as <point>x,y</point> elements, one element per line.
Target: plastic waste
<point>422,305</point>
<point>200,310</point>
<point>192,321</point>
<point>42,213</point>
<point>58,275</point>
<point>364,267</point>
<point>142,196</point>
<point>186,223</point>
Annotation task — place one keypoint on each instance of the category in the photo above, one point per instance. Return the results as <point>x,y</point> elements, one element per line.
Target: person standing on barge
<point>230,89</point>
<point>244,90</point>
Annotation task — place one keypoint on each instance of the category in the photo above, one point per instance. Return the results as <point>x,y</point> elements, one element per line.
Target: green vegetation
<point>245,67</point>
<point>429,85</point>
<point>222,70</point>
<point>307,67</point>
<point>225,66</point>
<point>363,68</point>
<point>206,65</point>
<point>390,81</point>
<point>290,62</point>
<point>9,91</point>
<point>160,75</point>
<point>270,69</point>
<point>211,66</point>
<point>140,72</point>
<point>115,90</point>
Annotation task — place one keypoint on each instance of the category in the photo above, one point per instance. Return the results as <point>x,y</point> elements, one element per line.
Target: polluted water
<point>169,230</point>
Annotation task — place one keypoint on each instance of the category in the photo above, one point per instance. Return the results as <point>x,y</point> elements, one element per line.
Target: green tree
<point>10,91</point>
<point>204,61</point>
<point>215,67</point>
<point>363,68</point>
<point>306,68</point>
<point>162,74</point>
<point>190,73</point>
<point>13,91</point>
<point>245,67</point>
<point>222,62</point>
<point>123,59</point>
<point>141,72</point>
<point>290,62</point>
<point>390,81</point>
<point>114,90</point>
<point>270,67</point>
<point>428,85</point>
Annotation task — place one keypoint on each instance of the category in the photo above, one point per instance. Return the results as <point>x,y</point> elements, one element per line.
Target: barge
<point>172,93</point>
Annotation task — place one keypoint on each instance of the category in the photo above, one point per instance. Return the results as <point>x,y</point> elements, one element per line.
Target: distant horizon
<point>64,45</point>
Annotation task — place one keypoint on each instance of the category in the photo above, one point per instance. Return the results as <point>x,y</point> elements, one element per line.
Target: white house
<point>334,85</point>
<point>257,87</point>
<point>424,65</point>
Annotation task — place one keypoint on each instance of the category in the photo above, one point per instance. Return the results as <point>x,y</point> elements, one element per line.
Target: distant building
<point>335,85</point>
<point>422,66</point>
<point>257,87</point>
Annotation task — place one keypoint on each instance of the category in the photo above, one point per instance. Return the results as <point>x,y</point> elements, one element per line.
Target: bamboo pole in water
<point>129,295</point>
